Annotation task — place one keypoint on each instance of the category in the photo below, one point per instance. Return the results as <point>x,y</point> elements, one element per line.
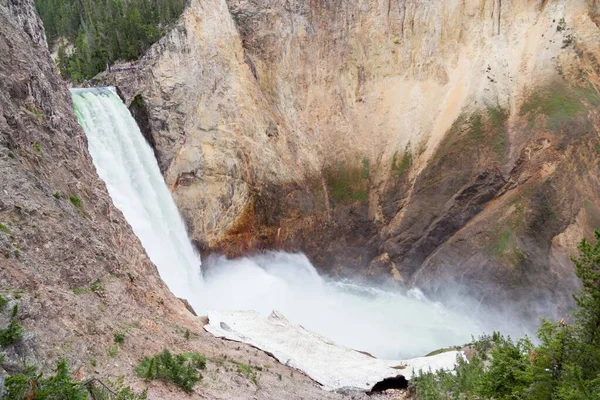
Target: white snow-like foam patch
<point>333,366</point>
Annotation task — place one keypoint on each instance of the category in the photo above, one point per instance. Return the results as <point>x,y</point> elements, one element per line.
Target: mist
<point>389,324</point>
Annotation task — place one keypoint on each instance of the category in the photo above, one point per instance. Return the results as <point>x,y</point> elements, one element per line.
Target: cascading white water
<point>127,165</point>
<point>387,324</point>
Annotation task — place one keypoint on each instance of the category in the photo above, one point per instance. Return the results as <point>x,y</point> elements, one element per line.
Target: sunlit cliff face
<point>413,142</point>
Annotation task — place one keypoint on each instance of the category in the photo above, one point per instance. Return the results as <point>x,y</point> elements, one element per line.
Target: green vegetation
<point>476,127</point>
<point>559,104</point>
<point>104,31</point>
<point>96,286</point>
<point>180,370</point>
<point>4,228</point>
<point>503,243</point>
<point>3,303</point>
<point>592,212</point>
<point>57,195</point>
<point>37,113</point>
<point>498,118</point>
<point>248,371</point>
<point>444,350</point>
<point>366,171</point>
<point>568,40</point>
<point>31,385</point>
<point>14,330</point>
<point>112,351</point>
<point>589,94</point>
<point>472,136</point>
<point>119,338</point>
<point>37,146</point>
<point>404,164</point>
<point>347,184</point>
<point>565,365</point>
<point>76,201</point>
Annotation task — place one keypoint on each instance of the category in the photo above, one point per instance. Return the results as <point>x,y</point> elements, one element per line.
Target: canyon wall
<point>445,144</point>
<point>69,261</point>
<point>59,231</point>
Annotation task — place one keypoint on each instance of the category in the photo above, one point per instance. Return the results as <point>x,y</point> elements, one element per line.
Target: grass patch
<point>559,104</point>
<point>476,128</point>
<point>80,290</point>
<point>505,247</point>
<point>502,243</point>
<point>366,171</point>
<point>472,136</point>
<point>96,287</point>
<point>112,351</point>
<point>180,370</point>
<point>119,338</point>
<point>37,113</point>
<point>589,94</point>
<point>76,201</point>
<point>444,350</point>
<point>404,165</point>
<point>3,303</point>
<point>497,118</point>
<point>57,195</point>
<point>346,184</point>
<point>592,211</point>
<point>37,146</point>
<point>4,228</point>
<point>248,371</point>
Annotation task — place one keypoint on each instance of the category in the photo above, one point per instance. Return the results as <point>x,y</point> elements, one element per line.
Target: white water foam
<point>386,324</point>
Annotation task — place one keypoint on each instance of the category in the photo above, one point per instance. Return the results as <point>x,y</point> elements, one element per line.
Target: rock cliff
<point>450,145</point>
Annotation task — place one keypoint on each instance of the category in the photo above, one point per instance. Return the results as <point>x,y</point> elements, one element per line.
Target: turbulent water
<point>386,324</point>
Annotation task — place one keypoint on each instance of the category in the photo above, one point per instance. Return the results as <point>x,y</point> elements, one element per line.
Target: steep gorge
<point>449,145</point>
<point>70,262</point>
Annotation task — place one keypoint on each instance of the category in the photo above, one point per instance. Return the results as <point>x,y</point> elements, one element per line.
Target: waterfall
<point>127,165</point>
<point>389,324</point>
